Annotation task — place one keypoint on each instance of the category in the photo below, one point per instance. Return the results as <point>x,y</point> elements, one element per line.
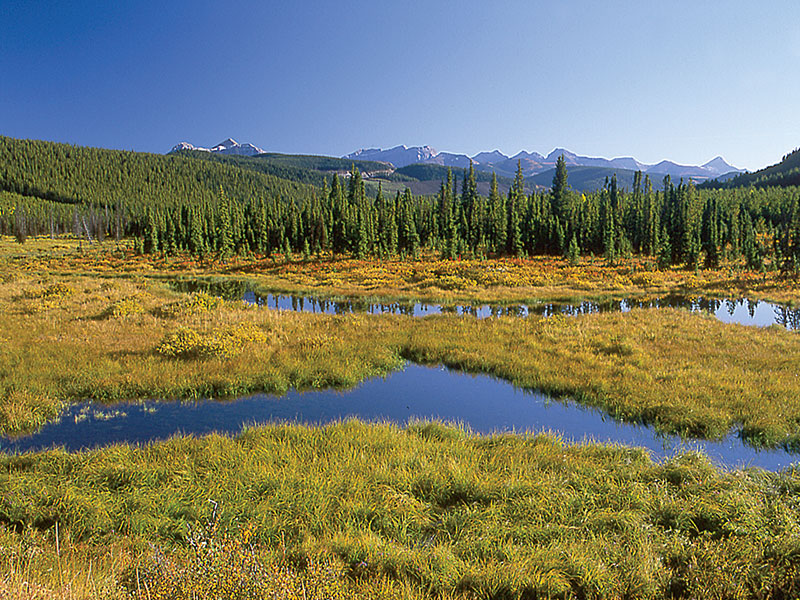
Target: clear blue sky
<point>683,81</point>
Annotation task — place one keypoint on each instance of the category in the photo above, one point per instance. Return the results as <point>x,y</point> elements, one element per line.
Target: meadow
<point>354,509</point>
<point>377,511</point>
<point>109,337</point>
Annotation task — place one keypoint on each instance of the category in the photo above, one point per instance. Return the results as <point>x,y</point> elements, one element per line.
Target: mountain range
<point>533,163</point>
<point>229,146</point>
<point>586,172</point>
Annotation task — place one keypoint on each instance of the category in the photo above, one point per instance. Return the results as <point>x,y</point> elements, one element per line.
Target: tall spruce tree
<point>559,192</point>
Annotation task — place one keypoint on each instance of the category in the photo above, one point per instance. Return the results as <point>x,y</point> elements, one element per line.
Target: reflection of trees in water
<point>788,317</point>
<point>235,289</point>
<point>228,289</point>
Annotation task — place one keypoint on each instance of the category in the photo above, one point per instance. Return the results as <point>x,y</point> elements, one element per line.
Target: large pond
<point>743,311</point>
<point>482,403</point>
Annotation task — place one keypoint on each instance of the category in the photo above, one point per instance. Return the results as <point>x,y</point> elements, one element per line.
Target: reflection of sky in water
<point>745,312</point>
<point>484,404</point>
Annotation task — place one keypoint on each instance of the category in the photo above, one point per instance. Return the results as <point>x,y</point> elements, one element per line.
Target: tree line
<point>176,204</point>
<point>675,224</point>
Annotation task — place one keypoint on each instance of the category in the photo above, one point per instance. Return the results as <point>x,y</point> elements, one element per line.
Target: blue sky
<point>684,81</point>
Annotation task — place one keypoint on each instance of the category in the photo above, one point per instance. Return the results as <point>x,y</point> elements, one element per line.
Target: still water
<point>742,311</point>
<point>482,403</point>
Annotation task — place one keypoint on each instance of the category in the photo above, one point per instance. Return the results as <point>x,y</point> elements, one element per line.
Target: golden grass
<point>682,372</point>
<point>504,280</point>
<point>429,510</point>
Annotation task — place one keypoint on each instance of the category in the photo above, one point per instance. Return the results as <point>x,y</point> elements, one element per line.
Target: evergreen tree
<point>609,227</point>
<point>151,241</point>
<point>573,252</point>
<point>652,225</point>
<point>750,248</point>
<point>497,215</point>
<point>224,227</point>
<point>710,234</point>
<point>409,238</point>
<point>559,193</point>
<point>513,229</point>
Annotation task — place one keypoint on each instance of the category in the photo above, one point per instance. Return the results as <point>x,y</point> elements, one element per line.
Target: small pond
<point>482,403</point>
<point>742,311</point>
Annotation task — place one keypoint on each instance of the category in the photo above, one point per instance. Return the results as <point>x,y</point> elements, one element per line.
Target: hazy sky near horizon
<point>683,80</point>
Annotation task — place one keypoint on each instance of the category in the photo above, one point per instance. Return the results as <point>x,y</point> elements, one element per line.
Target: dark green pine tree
<point>609,225</point>
<point>224,227</point>
<point>559,193</point>
<point>516,194</point>
<point>151,239</point>
<point>664,250</point>
<point>573,252</point>
<point>710,233</point>
<point>362,239</point>
<point>750,248</point>
<point>409,238</point>
<point>338,209</point>
<point>652,225</point>
<point>690,226</point>
<point>196,242</point>
<point>497,217</point>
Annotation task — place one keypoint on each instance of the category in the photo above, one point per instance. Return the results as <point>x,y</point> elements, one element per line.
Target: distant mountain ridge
<point>229,146</point>
<point>536,167</point>
<point>533,163</point>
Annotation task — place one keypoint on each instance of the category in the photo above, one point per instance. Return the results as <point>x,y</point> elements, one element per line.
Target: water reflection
<point>743,311</point>
<point>484,404</point>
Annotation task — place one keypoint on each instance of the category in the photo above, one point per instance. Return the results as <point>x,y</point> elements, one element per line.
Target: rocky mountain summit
<point>533,163</point>
<point>229,146</point>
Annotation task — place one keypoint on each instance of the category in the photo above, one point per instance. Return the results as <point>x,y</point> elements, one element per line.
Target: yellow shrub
<point>55,290</point>
<point>448,282</point>
<point>224,343</point>
<point>199,302</point>
<point>132,305</point>
<point>49,297</point>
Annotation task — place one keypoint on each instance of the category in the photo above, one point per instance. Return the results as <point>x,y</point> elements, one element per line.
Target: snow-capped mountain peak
<point>228,146</point>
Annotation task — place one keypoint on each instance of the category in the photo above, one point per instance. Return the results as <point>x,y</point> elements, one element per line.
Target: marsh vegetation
<point>356,508</point>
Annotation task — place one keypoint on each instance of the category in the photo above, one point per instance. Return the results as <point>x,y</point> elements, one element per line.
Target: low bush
<point>188,343</point>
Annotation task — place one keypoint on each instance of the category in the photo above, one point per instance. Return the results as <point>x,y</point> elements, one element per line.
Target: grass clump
<point>25,411</point>
<point>197,303</point>
<point>125,307</point>
<point>221,343</point>
<point>52,296</point>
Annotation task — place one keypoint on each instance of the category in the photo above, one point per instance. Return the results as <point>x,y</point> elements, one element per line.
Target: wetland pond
<point>483,404</point>
<point>745,312</point>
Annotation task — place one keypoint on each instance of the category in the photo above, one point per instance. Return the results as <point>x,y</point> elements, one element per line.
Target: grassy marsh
<point>503,280</point>
<point>430,509</point>
<point>68,338</point>
<point>377,511</point>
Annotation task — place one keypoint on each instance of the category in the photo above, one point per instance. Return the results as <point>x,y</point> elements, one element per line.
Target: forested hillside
<point>47,187</point>
<point>784,174</point>
<point>99,177</point>
<point>587,179</point>
<point>313,170</point>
